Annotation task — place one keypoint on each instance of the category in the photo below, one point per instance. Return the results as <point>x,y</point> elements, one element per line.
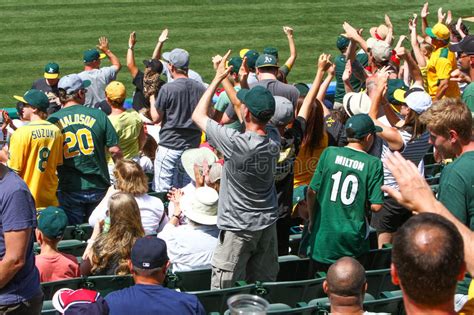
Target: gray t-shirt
<point>247,196</point>
<point>177,101</point>
<point>99,79</point>
<point>278,88</point>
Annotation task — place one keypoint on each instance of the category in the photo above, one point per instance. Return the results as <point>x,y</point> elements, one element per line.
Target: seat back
<point>216,300</point>
<point>195,280</point>
<point>291,292</point>
<point>293,268</point>
<point>378,281</point>
<point>49,288</point>
<point>378,259</point>
<point>107,284</point>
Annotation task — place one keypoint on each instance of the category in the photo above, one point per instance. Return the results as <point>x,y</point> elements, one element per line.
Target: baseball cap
<point>438,31</point>
<point>418,100</point>
<point>81,301</point>
<point>92,55</point>
<point>396,89</point>
<point>242,52</point>
<point>154,64</point>
<point>381,51</point>
<point>149,253</point>
<point>236,63</point>
<point>115,91</point>
<point>266,60</point>
<point>34,98</point>
<point>72,83</point>
<point>466,45</point>
<point>177,57</point>
<point>360,125</point>
<point>51,71</point>
<point>342,42</point>
<point>271,51</point>
<point>302,88</point>
<point>52,222</point>
<point>356,103</point>
<point>252,56</point>
<point>259,101</point>
<point>284,111</point>
<point>299,194</point>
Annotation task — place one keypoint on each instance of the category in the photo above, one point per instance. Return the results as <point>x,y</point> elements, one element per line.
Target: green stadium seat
<point>216,300</point>
<point>69,232</point>
<point>292,268</point>
<point>49,288</point>
<point>378,259</point>
<point>107,284</point>
<point>291,292</point>
<point>72,247</point>
<point>389,305</point>
<point>188,281</point>
<point>84,232</point>
<point>378,281</point>
<point>281,309</point>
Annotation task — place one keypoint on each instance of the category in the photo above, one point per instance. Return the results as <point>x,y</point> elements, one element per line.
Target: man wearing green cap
<point>98,76</point>
<point>284,70</point>
<point>36,149</point>
<point>440,65</point>
<point>49,85</point>
<point>346,179</point>
<point>247,210</point>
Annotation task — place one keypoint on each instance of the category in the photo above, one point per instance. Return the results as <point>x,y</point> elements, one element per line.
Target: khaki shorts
<point>245,255</point>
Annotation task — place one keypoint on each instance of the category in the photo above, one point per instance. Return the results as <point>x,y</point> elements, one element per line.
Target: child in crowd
<point>52,264</point>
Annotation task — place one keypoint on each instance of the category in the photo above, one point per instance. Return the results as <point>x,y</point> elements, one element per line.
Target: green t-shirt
<point>87,133</point>
<point>221,105</point>
<point>456,188</point>
<point>357,85</point>
<point>345,180</point>
<point>468,96</point>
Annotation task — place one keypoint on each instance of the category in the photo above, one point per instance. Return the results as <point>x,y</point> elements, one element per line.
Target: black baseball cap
<point>149,253</point>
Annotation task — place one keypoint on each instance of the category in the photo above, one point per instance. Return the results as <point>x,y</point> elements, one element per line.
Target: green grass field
<point>35,32</point>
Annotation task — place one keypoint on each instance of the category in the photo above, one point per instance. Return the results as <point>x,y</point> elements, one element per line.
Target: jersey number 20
<point>78,143</point>
<point>347,197</point>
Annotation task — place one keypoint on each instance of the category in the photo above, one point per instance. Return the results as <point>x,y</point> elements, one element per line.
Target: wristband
<point>130,47</point>
<point>177,216</point>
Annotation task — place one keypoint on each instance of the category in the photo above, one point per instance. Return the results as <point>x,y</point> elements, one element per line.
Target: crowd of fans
<point>238,162</point>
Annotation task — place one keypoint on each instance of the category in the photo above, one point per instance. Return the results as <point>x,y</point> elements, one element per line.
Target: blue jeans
<point>79,205</point>
<point>169,172</point>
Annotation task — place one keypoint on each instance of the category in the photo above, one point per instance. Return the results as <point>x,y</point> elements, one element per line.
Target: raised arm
<point>291,42</point>
<point>420,59</point>
<point>159,45</point>
<point>415,71</point>
<point>388,23</point>
<point>132,67</point>
<point>424,18</point>
<point>353,34</point>
<point>200,115</point>
<point>104,47</point>
<point>324,87</point>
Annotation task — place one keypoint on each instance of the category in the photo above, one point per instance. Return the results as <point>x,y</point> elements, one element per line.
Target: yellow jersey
<point>440,65</point>
<point>35,150</point>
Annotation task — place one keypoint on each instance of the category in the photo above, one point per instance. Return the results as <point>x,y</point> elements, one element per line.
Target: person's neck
<point>35,117</point>
<point>467,148</point>
<point>412,308</point>
<point>116,111</point>
<point>147,280</point>
<point>253,127</point>
<point>47,249</point>
<point>177,76</point>
<point>342,309</point>
<point>71,103</point>
<point>356,146</point>
<point>266,76</point>
<point>345,304</point>
<point>89,68</point>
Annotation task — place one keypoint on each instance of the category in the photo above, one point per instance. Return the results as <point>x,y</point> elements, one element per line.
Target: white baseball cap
<point>418,100</point>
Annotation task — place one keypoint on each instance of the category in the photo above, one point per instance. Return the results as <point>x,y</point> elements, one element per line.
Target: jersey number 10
<point>347,197</point>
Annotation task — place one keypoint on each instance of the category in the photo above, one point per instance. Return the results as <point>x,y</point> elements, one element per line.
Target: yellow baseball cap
<point>438,31</point>
<point>116,91</point>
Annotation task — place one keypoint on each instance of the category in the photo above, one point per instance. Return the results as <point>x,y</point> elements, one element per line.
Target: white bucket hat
<point>356,103</point>
<point>203,209</point>
<point>196,156</point>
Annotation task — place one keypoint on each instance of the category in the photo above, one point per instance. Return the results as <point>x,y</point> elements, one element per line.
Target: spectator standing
<point>248,206</point>
<point>51,263</point>
<point>84,176</point>
<point>20,291</point>
<point>49,85</point>
<point>465,49</point>
<point>148,264</point>
<point>173,108</point>
<point>99,77</point>
<point>35,150</point>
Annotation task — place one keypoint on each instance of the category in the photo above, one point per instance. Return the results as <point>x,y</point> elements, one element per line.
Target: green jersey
<point>356,84</point>
<point>345,180</point>
<point>87,132</point>
<point>456,188</point>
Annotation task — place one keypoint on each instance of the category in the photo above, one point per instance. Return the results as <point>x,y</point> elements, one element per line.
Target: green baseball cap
<point>360,125</point>
<point>34,98</point>
<point>299,194</point>
<point>266,61</point>
<point>396,89</point>
<point>235,62</point>
<point>259,101</point>
<point>52,222</point>
<point>271,51</point>
<point>51,71</point>
<point>92,55</point>
<point>252,56</point>
<point>303,88</point>
<point>342,42</point>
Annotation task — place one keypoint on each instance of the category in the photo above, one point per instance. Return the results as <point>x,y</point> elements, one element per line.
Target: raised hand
<point>351,32</point>
<point>103,44</point>
<point>412,22</point>
<point>441,15</point>
<point>324,62</point>
<point>424,11</point>
<point>401,52</point>
<point>288,31</point>
<point>222,72</point>
<point>449,17</point>
<point>244,68</point>
<point>346,75</point>
<point>132,40</point>
<point>164,36</point>
<point>388,22</point>
<point>216,60</point>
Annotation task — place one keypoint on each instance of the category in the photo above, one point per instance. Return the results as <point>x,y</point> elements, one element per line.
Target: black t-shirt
<point>139,100</point>
<point>51,91</point>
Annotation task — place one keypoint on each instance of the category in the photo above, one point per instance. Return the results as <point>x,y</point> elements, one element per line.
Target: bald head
<point>346,277</point>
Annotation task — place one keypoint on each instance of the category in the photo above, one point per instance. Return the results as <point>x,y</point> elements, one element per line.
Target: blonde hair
<point>130,177</point>
<point>115,246</point>
<point>449,114</point>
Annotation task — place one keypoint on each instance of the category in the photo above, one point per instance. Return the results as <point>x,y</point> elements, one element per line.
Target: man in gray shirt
<point>247,211</point>
<point>173,108</point>
<point>267,70</point>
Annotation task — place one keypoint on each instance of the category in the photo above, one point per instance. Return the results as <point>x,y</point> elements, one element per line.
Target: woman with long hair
<point>131,179</point>
<point>110,244</point>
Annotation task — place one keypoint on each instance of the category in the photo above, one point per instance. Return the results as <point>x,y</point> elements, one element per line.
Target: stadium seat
<point>291,292</point>
<point>69,232</point>
<point>188,281</point>
<point>323,303</point>
<point>378,281</point>
<point>293,268</point>
<point>378,259</point>
<point>48,308</point>
<point>107,284</point>
<point>84,232</point>
<point>49,288</point>
<point>216,300</point>
<point>389,305</point>
<point>281,309</point>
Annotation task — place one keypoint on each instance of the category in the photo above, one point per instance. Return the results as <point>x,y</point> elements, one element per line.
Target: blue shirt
<point>18,212</point>
<point>144,299</point>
